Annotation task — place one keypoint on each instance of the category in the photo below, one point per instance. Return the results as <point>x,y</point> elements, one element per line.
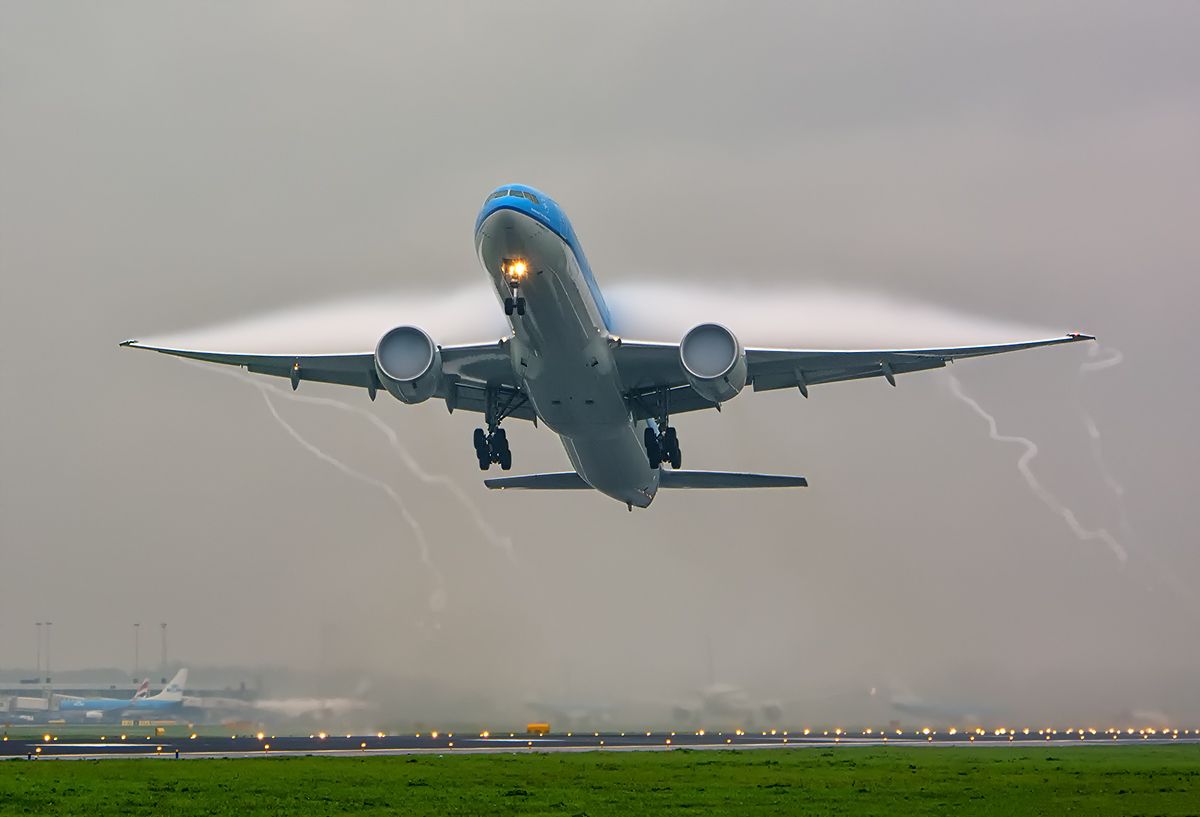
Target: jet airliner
<point>609,398</point>
<point>171,697</point>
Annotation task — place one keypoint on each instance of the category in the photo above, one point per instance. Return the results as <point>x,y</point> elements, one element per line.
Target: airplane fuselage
<point>561,347</point>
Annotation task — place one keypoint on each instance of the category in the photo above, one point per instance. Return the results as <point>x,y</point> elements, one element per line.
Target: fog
<point>300,177</point>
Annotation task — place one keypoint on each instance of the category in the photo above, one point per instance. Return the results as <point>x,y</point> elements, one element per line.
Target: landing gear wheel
<point>653,449</point>
<point>509,306</point>
<point>671,451</point>
<point>481,443</point>
<point>505,459</point>
<point>520,306</point>
<point>485,462</point>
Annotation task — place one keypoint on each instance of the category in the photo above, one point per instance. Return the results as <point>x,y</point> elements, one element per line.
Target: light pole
<point>48,623</point>
<point>38,630</point>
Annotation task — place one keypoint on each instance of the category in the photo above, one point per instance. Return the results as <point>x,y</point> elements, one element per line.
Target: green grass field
<point>1161,780</point>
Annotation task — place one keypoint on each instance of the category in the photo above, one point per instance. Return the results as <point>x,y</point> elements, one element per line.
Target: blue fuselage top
<point>546,211</point>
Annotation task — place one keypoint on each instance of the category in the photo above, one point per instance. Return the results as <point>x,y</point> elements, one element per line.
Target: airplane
<point>171,697</point>
<point>609,398</point>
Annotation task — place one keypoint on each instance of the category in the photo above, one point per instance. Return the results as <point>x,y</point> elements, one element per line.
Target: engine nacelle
<point>409,364</point>
<point>714,362</point>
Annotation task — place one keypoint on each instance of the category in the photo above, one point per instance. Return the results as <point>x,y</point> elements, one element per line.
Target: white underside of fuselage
<point>563,360</point>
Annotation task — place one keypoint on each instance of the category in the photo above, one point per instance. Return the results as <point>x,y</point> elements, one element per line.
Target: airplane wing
<point>649,368</point>
<point>468,371</point>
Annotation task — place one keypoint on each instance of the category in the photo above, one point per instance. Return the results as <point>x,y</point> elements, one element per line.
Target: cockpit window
<point>507,192</point>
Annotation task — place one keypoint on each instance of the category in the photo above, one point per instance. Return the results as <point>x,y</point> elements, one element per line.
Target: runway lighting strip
<point>47,744</point>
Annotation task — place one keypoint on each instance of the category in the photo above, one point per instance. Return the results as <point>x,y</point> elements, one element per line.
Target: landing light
<point>515,270</point>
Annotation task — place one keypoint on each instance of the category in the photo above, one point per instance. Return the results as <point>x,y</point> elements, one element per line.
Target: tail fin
<point>174,690</point>
<point>143,690</point>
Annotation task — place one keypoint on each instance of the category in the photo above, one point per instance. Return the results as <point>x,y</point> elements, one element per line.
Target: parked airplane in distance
<point>610,399</point>
<point>171,697</point>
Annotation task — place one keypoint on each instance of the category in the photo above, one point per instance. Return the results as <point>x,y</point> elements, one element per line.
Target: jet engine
<point>713,361</point>
<point>409,364</point>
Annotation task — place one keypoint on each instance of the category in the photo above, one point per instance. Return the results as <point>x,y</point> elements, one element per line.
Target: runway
<point>486,743</point>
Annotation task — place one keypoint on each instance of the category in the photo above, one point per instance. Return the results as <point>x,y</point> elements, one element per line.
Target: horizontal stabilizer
<point>560,481</point>
<point>569,480</point>
<point>727,479</point>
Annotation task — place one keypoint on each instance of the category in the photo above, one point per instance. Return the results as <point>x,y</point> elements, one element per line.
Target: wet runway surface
<point>476,743</point>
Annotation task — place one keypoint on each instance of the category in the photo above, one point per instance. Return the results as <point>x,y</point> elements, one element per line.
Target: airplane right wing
<point>648,370</point>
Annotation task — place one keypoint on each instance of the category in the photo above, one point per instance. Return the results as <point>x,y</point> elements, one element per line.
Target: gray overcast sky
<point>168,166</point>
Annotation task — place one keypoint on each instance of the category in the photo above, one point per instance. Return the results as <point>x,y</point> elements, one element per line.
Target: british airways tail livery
<point>609,399</point>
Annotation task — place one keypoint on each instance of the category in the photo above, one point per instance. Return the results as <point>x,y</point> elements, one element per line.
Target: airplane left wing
<point>468,371</point>
<point>649,369</point>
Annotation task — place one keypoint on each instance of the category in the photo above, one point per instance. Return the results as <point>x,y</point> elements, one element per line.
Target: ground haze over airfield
<point>1023,164</point>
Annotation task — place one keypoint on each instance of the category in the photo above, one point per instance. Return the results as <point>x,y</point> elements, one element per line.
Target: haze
<point>874,169</point>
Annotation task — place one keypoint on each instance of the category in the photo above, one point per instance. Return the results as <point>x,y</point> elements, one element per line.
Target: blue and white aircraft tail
<point>171,697</point>
<point>610,399</point>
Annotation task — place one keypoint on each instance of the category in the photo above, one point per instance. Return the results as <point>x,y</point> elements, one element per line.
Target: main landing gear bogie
<point>492,448</point>
<point>663,446</point>
<point>491,442</point>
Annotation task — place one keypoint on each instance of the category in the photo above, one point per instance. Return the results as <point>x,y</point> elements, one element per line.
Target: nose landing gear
<point>514,304</point>
<point>515,271</point>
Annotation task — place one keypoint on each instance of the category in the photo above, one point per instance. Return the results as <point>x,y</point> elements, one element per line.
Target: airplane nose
<point>505,220</point>
<point>507,233</point>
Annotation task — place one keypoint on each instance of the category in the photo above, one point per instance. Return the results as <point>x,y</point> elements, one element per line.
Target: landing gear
<point>491,445</point>
<point>515,271</point>
<point>663,445</point>
<point>491,448</point>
